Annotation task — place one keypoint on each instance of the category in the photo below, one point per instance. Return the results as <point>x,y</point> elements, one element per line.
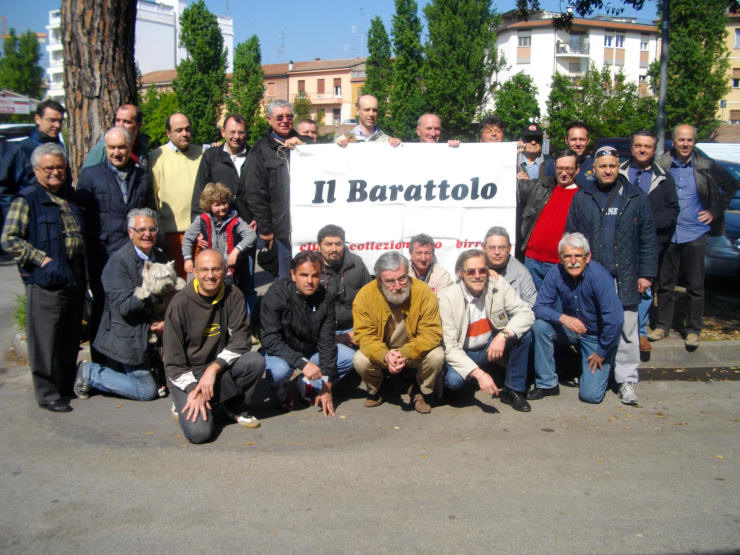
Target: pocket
<point>52,275</point>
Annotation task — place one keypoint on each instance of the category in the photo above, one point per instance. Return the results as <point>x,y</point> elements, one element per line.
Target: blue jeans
<point>643,310</point>
<point>133,383</point>
<point>592,386</point>
<point>285,257</point>
<point>516,366</point>
<point>279,371</point>
<point>538,270</point>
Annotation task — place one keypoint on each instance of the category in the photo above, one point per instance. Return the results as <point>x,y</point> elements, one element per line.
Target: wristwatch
<point>507,334</point>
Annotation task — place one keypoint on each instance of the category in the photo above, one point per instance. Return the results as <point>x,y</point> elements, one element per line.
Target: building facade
<point>729,110</point>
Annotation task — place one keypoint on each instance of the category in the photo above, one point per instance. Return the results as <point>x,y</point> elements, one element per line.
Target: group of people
<point>593,238</point>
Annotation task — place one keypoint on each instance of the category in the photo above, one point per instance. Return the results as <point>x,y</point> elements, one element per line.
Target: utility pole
<point>660,127</point>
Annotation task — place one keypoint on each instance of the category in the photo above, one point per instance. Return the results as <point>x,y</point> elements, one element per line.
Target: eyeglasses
<point>211,270</point>
<point>52,120</point>
<point>281,117</point>
<point>470,272</point>
<point>141,230</point>
<point>52,169</point>
<point>497,248</point>
<point>403,280</point>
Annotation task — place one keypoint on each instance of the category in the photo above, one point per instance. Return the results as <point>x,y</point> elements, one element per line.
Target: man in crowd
<point>297,332</point>
<point>207,357</point>
<point>531,162</point>
<point>424,265</point>
<point>397,326</point>
<point>542,210</point>
<point>577,140</point>
<point>174,167</point>
<point>484,321</point>
<point>129,117</point>
<point>704,191</point>
<point>616,219</point>
<point>123,336</point>
<point>661,190</point>
<point>343,275</point>
<point>308,128</point>
<point>43,233</point>
<point>367,131</point>
<point>577,304</point>
<point>49,117</point>
<point>492,129</point>
<point>15,172</point>
<point>429,129</point>
<point>497,247</point>
<point>106,193</point>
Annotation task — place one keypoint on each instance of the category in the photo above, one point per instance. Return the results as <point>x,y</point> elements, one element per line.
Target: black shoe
<point>56,406</point>
<point>516,400</point>
<point>538,393</point>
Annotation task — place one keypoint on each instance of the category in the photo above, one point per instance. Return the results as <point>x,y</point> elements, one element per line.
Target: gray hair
<point>575,241</point>
<point>418,121</point>
<point>673,134</point>
<point>422,239</point>
<point>278,104</point>
<point>136,212</point>
<point>47,149</point>
<point>123,130</point>
<point>390,261</point>
<point>467,255</point>
<point>497,230</point>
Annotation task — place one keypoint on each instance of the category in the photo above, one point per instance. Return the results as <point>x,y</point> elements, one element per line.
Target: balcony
<point>578,49</point>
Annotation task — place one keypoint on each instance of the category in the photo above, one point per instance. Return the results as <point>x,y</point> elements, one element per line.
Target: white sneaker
<point>244,419</point>
<point>627,394</point>
<point>173,412</point>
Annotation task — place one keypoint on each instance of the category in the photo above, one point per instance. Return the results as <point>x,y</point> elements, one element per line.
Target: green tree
<point>378,68</point>
<point>201,77</point>
<point>247,86</point>
<point>302,107</point>
<point>460,58</point>
<point>19,67</point>
<point>562,108</point>
<point>516,103</point>
<point>697,64</point>
<point>156,107</point>
<point>406,103</point>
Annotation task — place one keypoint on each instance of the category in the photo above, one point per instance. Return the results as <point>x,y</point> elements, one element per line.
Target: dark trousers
<point>53,320</point>
<point>244,374</point>
<point>688,260</point>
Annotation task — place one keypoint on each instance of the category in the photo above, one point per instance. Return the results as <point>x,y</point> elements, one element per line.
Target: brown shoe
<point>373,400</point>
<point>420,404</point>
<point>692,340</point>
<point>657,334</point>
<point>644,344</point>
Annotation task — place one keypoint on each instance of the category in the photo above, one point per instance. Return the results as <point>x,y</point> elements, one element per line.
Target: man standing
<point>661,190</point>
<point>297,332</point>
<point>531,162</point>
<point>577,304</point>
<point>174,167</point>
<point>309,129</point>
<point>542,210</point>
<point>397,326</point>
<point>123,336</point>
<point>429,129</point>
<point>129,117</point>
<point>49,117</point>
<point>577,139</point>
<point>343,275</point>
<point>15,172</point>
<point>484,321</point>
<point>424,265</point>
<point>43,234</point>
<point>207,357</point>
<point>616,219</point>
<point>492,130</point>
<point>367,131</point>
<point>497,247</point>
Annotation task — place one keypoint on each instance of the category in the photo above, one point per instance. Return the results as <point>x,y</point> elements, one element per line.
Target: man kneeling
<point>207,355</point>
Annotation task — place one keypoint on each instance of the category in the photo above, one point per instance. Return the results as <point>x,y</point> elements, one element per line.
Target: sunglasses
<point>470,272</point>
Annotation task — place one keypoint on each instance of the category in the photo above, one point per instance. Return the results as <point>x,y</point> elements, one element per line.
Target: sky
<point>295,30</point>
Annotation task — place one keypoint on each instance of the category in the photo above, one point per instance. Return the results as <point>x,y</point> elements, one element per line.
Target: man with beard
<point>397,326</point>
<point>485,322</point>
<point>343,275</point>
<point>424,265</point>
<point>497,247</point>
<point>591,318</point>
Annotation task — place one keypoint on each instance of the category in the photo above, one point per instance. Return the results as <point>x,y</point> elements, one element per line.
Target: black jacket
<point>294,327</point>
<point>342,284</point>
<point>216,167</point>
<point>15,172</point>
<point>531,197</point>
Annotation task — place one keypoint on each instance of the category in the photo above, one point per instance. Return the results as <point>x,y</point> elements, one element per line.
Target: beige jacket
<point>437,278</point>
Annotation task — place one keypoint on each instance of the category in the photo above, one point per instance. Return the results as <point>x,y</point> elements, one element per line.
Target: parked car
<point>623,144</point>
<point>723,253</point>
<point>16,131</point>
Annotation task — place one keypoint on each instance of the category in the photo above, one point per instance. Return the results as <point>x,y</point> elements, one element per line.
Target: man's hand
<point>573,324</point>
<point>341,141</point>
<point>643,284</point>
<point>594,362</point>
<point>188,266</point>
<point>311,371</point>
<point>233,255</point>
<point>202,242</point>
<point>394,142</point>
<point>454,143</point>
<point>207,381</point>
<point>157,327</point>
<point>45,261</point>
<point>195,406</point>
<point>293,142</point>
<point>267,238</point>
<point>252,225</point>
<point>496,347</point>
<point>705,217</point>
<point>325,400</point>
<point>522,175</point>
<point>351,335</point>
<point>395,361</point>
<point>485,382</point>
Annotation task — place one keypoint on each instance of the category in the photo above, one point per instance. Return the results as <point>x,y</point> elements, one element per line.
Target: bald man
<point>367,130</point>
<point>429,129</point>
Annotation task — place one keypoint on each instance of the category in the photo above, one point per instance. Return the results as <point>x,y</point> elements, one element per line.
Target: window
<point>336,115</point>
<point>644,41</point>
<point>608,39</point>
<point>301,87</point>
<point>320,86</point>
<point>525,40</point>
<point>574,67</point>
<point>736,83</point>
<point>338,87</point>
<point>270,89</point>
<point>619,41</point>
<point>737,38</point>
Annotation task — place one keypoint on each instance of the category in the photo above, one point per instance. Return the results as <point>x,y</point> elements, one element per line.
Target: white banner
<point>382,196</point>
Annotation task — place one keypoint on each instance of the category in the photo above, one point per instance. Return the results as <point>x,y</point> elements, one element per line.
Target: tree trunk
<point>99,68</point>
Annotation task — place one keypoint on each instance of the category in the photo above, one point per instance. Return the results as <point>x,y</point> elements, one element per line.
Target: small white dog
<point>159,279</point>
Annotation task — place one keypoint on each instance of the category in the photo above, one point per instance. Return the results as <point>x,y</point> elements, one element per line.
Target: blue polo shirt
<point>688,226</point>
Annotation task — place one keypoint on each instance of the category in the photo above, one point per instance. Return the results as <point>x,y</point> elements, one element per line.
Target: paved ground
<point>117,476</point>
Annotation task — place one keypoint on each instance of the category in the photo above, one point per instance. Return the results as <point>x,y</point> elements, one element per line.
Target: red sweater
<point>549,228</point>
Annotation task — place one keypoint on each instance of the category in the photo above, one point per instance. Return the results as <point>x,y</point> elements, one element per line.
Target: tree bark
<point>99,68</point>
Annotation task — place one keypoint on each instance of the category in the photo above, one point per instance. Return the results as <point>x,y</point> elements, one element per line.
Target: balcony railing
<point>571,49</point>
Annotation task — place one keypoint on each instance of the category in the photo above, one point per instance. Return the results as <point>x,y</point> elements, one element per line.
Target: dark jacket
<point>15,172</point>
<point>294,327</point>
<point>139,153</point>
<point>268,186</point>
<point>714,184</point>
<point>342,284</point>
<point>635,249</point>
<point>531,197</point>
<point>36,138</point>
<point>216,167</point>
<point>663,201</point>
<point>123,334</point>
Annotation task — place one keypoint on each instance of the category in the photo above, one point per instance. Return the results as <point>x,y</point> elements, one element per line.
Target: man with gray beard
<point>397,326</point>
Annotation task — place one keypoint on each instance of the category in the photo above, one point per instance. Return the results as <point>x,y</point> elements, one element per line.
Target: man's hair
<point>392,260</point>
<point>418,121</point>
<point>306,120</point>
<point>137,212</point>
<point>643,133</point>
<point>139,114</point>
<point>575,124</point>
<point>306,256</point>
<point>167,125</point>
<point>52,149</point>
<point>565,153</point>
<point>238,118</point>
<point>272,106</point>
<point>357,103</point>
<point>497,230</point>
<point>493,120</point>
<point>467,255</point>
<point>53,104</point>
<point>214,192</point>
<point>574,240</point>
<point>673,133</point>
<point>422,239</point>
<point>330,230</point>
<point>120,129</point>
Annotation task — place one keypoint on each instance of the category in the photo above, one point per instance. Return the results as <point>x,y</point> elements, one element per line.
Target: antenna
<point>362,28</point>
<point>281,45</point>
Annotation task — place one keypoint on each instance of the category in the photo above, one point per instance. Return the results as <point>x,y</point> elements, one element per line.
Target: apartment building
<point>729,110</point>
